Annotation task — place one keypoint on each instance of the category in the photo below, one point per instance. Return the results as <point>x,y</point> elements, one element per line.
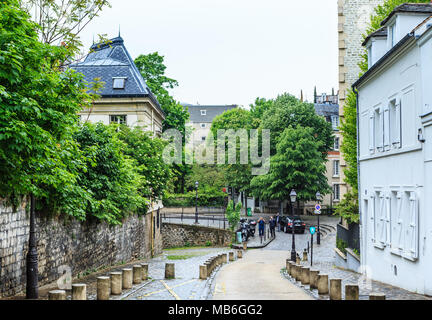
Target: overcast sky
<point>231,51</point>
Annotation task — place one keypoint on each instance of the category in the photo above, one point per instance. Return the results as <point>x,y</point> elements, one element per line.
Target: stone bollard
<point>377,296</point>
<point>305,275</point>
<point>335,289</point>
<point>116,283</point>
<point>127,279</point>
<point>323,286</point>
<point>305,255</point>
<point>203,272</point>
<point>298,274</point>
<point>169,271</point>
<point>239,254</point>
<point>351,292</point>
<point>313,279</point>
<point>79,291</point>
<point>231,256</point>
<point>288,266</point>
<point>57,295</point>
<point>144,271</point>
<point>298,260</point>
<point>137,274</point>
<point>244,246</point>
<point>225,258</point>
<point>103,288</point>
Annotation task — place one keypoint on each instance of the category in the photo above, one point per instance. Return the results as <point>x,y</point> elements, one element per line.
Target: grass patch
<point>181,257</point>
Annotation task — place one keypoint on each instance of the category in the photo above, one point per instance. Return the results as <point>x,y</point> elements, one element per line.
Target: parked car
<point>299,225</point>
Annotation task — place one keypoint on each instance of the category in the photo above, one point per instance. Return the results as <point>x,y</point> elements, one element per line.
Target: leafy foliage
<point>205,199</point>
<point>233,214</point>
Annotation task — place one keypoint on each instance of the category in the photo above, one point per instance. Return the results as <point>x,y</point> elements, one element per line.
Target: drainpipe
<point>362,242</point>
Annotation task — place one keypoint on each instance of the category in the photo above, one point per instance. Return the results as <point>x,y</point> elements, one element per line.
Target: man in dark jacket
<point>272,224</point>
<point>278,222</point>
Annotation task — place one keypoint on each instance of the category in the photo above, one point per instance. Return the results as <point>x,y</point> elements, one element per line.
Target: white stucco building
<point>395,151</point>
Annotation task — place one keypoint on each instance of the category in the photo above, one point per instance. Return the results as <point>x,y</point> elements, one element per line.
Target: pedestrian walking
<point>272,224</point>
<point>261,226</point>
<point>278,222</point>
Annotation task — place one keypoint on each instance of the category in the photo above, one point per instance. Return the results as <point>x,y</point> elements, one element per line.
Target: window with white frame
<point>369,49</point>
<point>336,144</point>
<point>336,192</point>
<point>392,30</point>
<point>335,122</point>
<point>119,83</point>
<point>378,129</point>
<point>119,119</point>
<point>203,112</point>
<point>395,123</point>
<point>336,166</point>
<point>203,125</point>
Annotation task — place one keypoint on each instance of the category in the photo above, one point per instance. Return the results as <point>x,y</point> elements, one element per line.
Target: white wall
<point>387,222</point>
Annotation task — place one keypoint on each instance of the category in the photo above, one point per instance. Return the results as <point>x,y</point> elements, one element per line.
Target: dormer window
<point>203,112</point>
<point>370,59</point>
<point>119,83</point>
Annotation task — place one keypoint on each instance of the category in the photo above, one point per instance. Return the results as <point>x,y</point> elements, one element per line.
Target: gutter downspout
<point>362,242</point>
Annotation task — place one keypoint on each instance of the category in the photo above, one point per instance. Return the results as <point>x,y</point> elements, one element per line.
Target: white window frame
<point>203,125</point>
<point>203,112</point>
<point>118,120</point>
<point>336,195</point>
<point>336,168</point>
<point>123,83</point>
<point>336,145</point>
<point>335,122</point>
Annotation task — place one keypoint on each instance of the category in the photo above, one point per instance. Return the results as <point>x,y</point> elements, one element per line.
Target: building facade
<point>201,118</point>
<point>327,107</point>
<point>353,20</point>
<point>125,97</point>
<point>395,151</point>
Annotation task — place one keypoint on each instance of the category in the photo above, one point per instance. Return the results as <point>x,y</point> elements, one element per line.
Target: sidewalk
<point>256,277</point>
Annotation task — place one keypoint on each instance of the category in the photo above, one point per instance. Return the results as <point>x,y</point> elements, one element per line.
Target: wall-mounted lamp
<point>420,136</point>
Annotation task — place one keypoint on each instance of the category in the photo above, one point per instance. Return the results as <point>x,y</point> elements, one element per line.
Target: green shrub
<point>215,199</point>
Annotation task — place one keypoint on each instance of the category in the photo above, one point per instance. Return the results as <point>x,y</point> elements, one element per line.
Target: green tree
<point>297,164</point>
<point>288,111</point>
<point>233,214</point>
<point>39,106</point>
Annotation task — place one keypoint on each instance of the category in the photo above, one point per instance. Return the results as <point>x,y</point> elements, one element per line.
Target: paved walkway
<point>256,277</point>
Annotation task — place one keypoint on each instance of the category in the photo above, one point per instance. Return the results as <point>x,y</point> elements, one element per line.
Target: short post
<point>351,292</point>
<point>127,279</point>
<point>103,288</point>
<point>239,254</point>
<point>231,256</point>
<point>169,271</point>
<point>225,258</point>
<point>79,292</point>
<point>137,274</point>
<point>305,255</point>
<point>57,295</point>
<point>288,266</point>
<point>293,269</point>
<point>313,279</point>
<point>298,273</point>
<point>298,260</point>
<point>144,271</point>
<point>335,289</point>
<point>116,283</point>
<point>245,246</point>
<point>203,272</point>
<point>377,296</point>
<point>323,286</point>
<point>305,275</point>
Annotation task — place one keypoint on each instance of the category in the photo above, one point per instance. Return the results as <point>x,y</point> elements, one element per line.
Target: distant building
<point>125,97</point>
<point>395,150</point>
<point>327,108</point>
<point>201,118</point>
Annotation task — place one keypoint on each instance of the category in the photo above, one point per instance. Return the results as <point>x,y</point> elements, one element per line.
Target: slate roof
<point>327,110</point>
<point>380,33</point>
<point>108,61</point>
<point>211,112</point>
<point>410,8</point>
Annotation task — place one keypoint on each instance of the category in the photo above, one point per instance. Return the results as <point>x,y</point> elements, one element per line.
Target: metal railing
<point>218,221</point>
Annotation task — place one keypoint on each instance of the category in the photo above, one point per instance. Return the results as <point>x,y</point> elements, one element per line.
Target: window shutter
<point>387,218</point>
<point>381,131</point>
<point>372,217</point>
<point>372,132</point>
<point>399,223</point>
<point>386,128</point>
<point>382,219</point>
<point>411,251</point>
<point>398,124</point>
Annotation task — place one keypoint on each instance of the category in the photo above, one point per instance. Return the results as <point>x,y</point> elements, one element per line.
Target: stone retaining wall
<point>177,235</point>
<point>69,245</point>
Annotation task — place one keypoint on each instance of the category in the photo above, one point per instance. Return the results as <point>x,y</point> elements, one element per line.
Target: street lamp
<point>318,197</point>
<point>196,203</point>
<point>293,198</point>
<point>32,256</point>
